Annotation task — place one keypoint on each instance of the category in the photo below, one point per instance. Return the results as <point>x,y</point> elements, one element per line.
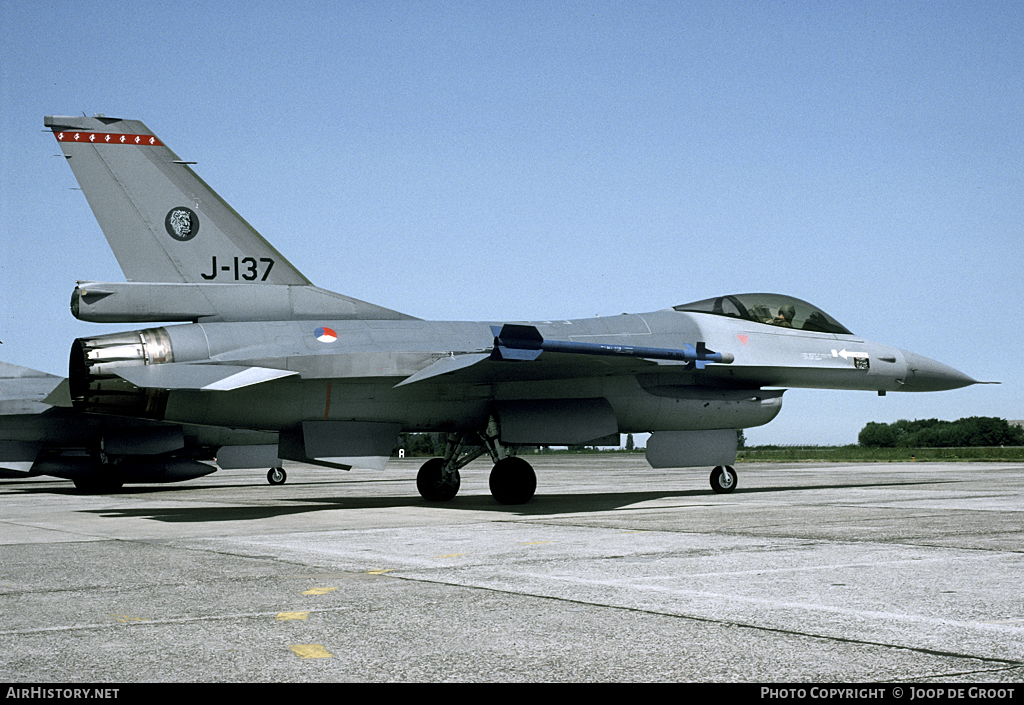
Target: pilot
<point>785,317</point>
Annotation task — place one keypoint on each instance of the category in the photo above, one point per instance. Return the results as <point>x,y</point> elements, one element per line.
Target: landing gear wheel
<point>433,486</point>
<point>513,481</point>
<point>723,479</point>
<point>277,476</point>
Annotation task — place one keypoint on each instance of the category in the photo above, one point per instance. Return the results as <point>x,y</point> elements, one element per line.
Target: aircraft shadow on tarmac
<point>540,505</point>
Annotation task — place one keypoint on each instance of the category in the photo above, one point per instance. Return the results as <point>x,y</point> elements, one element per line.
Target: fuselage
<point>353,369</point>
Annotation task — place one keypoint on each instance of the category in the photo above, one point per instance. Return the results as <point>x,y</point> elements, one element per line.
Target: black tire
<point>431,485</point>
<point>513,481</point>
<point>723,479</point>
<point>277,476</point>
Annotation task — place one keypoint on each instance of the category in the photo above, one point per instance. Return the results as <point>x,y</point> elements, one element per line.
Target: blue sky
<point>538,160</point>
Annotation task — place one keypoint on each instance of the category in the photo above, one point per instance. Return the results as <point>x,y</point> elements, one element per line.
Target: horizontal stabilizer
<point>60,395</point>
<point>219,378</point>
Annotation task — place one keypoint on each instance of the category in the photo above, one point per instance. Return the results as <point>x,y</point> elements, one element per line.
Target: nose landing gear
<point>723,479</point>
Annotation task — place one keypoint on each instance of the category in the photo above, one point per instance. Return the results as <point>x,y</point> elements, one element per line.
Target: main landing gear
<point>277,476</point>
<point>723,479</point>
<point>512,481</point>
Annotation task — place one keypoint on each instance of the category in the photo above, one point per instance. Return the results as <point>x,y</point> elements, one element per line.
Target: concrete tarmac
<point>614,572</point>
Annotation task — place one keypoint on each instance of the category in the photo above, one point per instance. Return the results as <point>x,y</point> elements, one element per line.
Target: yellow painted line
<point>128,618</point>
<point>285,616</point>
<point>451,555</point>
<point>310,651</point>
<point>379,572</point>
<point>320,591</point>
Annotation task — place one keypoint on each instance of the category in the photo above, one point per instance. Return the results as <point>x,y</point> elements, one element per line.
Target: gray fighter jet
<point>41,436</point>
<point>259,347</point>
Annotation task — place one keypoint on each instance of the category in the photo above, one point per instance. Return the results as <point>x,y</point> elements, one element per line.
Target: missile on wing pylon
<point>522,342</point>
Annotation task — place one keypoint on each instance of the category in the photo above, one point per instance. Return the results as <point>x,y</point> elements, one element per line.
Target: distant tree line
<point>933,433</point>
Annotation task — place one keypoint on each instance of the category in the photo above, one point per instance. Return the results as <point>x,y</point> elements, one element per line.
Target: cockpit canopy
<point>770,309</point>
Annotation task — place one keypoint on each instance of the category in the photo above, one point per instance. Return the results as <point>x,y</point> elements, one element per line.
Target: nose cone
<point>927,375</point>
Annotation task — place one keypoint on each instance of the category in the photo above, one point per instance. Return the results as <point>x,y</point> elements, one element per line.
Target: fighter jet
<point>41,436</point>
<point>257,346</point>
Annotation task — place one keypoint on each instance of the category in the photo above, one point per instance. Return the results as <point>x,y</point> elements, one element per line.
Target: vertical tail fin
<point>163,222</point>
